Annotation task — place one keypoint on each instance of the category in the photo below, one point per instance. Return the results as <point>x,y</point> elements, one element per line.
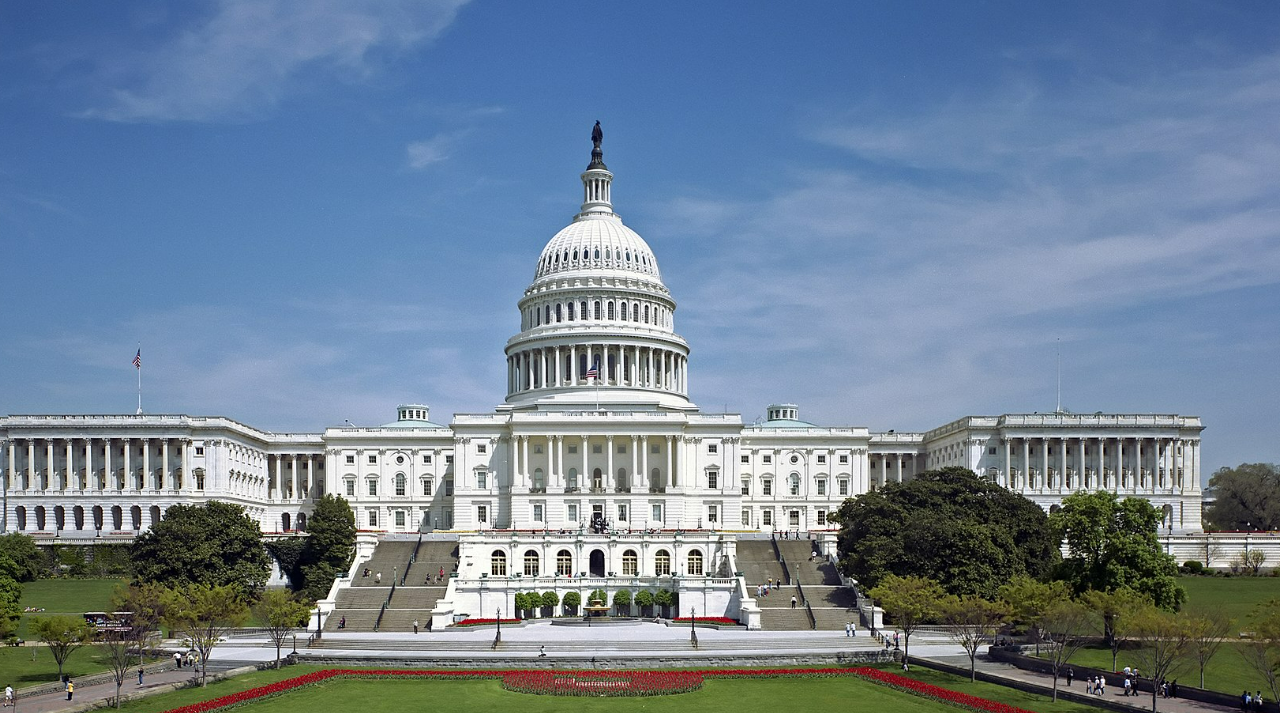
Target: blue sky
<point>888,213</point>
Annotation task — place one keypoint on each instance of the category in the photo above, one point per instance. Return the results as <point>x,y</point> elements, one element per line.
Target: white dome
<point>597,242</point>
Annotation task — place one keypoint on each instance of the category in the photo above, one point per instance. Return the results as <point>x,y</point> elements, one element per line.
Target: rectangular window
<point>766,518</point>
<point>991,451</point>
<point>746,486</point>
<point>657,512</point>
<point>426,487</point>
<point>622,448</point>
<point>351,460</point>
<point>448,488</point>
<point>768,460</point>
<point>400,485</point>
<point>597,448</point>
<point>448,460</point>
<point>199,450</point>
<point>795,518</point>
<point>482,513</point>
<point>746,517</point>
<point>822,486</point>
<point>713,513</point>
<point>538,450</point>
<point>822,460</point>
<point>573,512</point>
<point>373,487</point>
<point>399,518</point>
<point>482,481</point>
<point>713,481</point>
<point>537,512</point>
<point>766,486</point>
<point>622,512</point>
<point>713,448</point>
<point>844,487</point>
<point>573,449</point>
<point>482,449</point>
<point>426,460</point>
<point>844,460</point>
<point>745,459</point>
<point>373,460</point>
<point>373,517</point>
<point>822,518</point>
<point>351,488</point>
<point>655,449</point>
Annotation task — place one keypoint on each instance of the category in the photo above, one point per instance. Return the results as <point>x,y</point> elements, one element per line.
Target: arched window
<point>630,563</point>
<point>571,478</point>
<point>794,483</point>
<point>623,485</point>
<point>564,563</point>
<point>597,309</point>
<point>597,253</point>
<point>695,563</point>
<point>662,563</point>
<point>583,310</point>
<point>623,309</point>
<point>575,255</point>
<point>546,310</point>
<point>646,314</point>
<point>570,311</point>
<point>559,314</point>
<point>531,563</point>
<point>400,484</point>
<point>597,479</point>
<point>635,311</point>
<point>539,480</point>
<point>655,478</point>
<point>610,309</point>
<point>498,563</point>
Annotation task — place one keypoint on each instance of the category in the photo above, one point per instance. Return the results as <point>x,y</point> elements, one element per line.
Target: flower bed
<point>706,620</point>
<point>484,622</point>
<point>605,683</point>
<point>602,683</point>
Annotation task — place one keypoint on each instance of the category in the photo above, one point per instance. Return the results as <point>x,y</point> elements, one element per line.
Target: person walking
<point>415,626</point>
<point>140,672</point>
<point>793,601</point>
<point>428,625</point>
<point>177,660</point>
<point>1071,674</point>
<point>542,652</point>
<point>71,689</point>
<point>8,696</point>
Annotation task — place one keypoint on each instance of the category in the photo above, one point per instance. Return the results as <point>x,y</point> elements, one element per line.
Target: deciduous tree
<point>1263,650</point>
<point>62,634</point>
<point>1206,631</point>
<point>1246,497</point>
<point>971,622</point>
<point>911,601</point>
<point>213,544</point>
<point>10,596</point>
<point>1114,610</point>
<point>1030,600</point>
<point>1066,626</point>
<point>28,561</point>
<point>330,546</point>
<point>1162,645</point>
<point>947,525</point>
<point>282,614</point>
<point>204,614</point>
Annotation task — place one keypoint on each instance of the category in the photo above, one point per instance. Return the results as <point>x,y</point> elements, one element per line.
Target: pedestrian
<point>1128,686</point>
<point>177,660</point>
<point>846,629</point>
<point>895,639</point>
<point>1070,676</point>
<point>377,578</point>
<point>342,623</point>
<point>542,652</point>
<point>428,625</point>
<point>853,629</point>
<point>140,669</point>
<point>415,626</point>
<point>1257,700</point>
<point>441,575</point>
<point>1245,700</point>
<point>8,696</point>
<point>1102,685</point>
<point>1173,689</point>
<point>793,601</point>
<point>71,690</point>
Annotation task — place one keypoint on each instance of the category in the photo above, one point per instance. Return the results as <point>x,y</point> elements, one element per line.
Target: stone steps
<point>434,642</point>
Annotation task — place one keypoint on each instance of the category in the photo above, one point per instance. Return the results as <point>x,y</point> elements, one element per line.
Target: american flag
<point>137,359</point>
<point>594,371</point>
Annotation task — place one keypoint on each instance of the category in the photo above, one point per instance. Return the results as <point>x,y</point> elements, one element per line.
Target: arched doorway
<point>597,563</point>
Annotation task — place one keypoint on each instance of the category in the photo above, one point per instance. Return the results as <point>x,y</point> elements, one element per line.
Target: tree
<point>572,600</point>
<point>1030,600</point>
<point>521,602</point>
<point>1066,625</point>
<point>550,600</point>
<point>1206,630</point>
<point>1162,645</point>
<point>597,596</point>
<point>664,598</point>
<point>644,600</point>
<point>10,596</point>
<point>1114,610</point>
<point>1254,559</point>
<point>213,544</point>
<point>146,606</point>
<point>972,621</point>
<point>947,525</point>
<point>1112,543</point>
<point>911,601</point>
<point>622,600</point>
<point>1246,498</point>
<point>1263,650</point>
<point>62,634</point>
<point>281,613</point>
<point>330,546</point>
<point>117,645</point>
<point>203,614</point>
<point>28,561</point>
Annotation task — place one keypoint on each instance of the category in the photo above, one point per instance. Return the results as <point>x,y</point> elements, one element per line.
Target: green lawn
<point>731,696</point>
<point>30,665</point>
<point>1227,671</point>
<point>65,596</point>
<point>1235,596</point>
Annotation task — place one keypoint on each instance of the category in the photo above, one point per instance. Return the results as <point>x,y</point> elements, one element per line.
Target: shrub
<point>572,599</point>
<point>1193,567</point>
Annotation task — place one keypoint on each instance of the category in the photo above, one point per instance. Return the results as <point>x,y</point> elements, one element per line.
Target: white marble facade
<point>596,427</point>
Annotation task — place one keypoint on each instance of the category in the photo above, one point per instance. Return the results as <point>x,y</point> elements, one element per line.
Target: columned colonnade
<point>1068,464</point>
<point>96,464</point>
<point>635,471</point>
<point>620,365</point>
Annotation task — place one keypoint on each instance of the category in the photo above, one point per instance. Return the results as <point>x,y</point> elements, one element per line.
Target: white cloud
<point>242,58</point>
<point>433,150</point>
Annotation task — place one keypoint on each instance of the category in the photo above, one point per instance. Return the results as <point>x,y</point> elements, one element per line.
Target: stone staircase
<point>361,602</point>
<point>451,644</point>
<point>757,562</point>
<point>389,557</point>
<point>833,605</point>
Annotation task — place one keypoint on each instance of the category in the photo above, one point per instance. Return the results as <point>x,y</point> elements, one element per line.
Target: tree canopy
<point>27,560</point>
<point>910,601</point>
<point>10,595</point>
<point>1246,498</point>
<point>203,614</point>
<point>1112,543</point>
<point>329,548</point>
<point>213,544</point>
<point>948,525</point>
<point>62,634</point>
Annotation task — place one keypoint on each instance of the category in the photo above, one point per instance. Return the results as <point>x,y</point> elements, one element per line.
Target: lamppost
<point>498,637</point>
<point>693,633</point>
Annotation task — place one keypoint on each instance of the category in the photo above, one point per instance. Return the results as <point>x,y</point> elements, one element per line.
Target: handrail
<point>778,553</point>
<point>378,622</point>
<point>412,558</point>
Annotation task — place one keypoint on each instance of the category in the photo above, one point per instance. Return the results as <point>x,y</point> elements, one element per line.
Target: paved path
<point>87,697</point>
<point>1114,694</point>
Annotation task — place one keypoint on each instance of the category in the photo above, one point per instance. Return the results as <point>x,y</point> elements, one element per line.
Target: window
<point>822,460</point>
<point>991,451</point>
<point>713,448</point>
<point>822,517</point>
<point>622,512</point>
<point>564,563</point>
<point>794,459</point>
<point>351,488</point>
<point>573,449</point>
<point>794,483</point>
<point>448,460</point>
<point>531,563</point>
<point>766,486</point>
<point>745,459</point>
<point>822,486</point>
<point>426,460</point>
<point>622,448</point>
<point>373,487</point>
<point>571,310</point>
<point>448,487</point>
<point>630,563</point>
<point>482,480</point>
<point>662,563</point>
<point>426,486</point>
<point>695,563</point>
<point>746,517</point>
<point>373,460</point>
<point>399,460</point>
<point>795,518</point>
<point>400,483</point>
<point>372,517</point>
<point>482,513</point>
<point>597,448</point>
<point>399,518</point>
<point>498,563</point>
<point>844,486</point>
<point>655,449</point>
<point>766,518</point>
<point>538,512</point>
<point>768,459</point>
<point>351,460</point>
<point>746,486</point>
<point>199,450</point>
<point>713,513</point>
<point>844,460</point>
<point>572,511</point>
<point>537,449</point>
<point>713,480</point>
<point>482,449</point>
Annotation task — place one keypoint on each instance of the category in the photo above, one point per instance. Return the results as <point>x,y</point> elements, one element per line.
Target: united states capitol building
<point>596,443</point>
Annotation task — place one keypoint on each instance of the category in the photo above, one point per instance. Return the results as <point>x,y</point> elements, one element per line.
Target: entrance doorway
<point>597,563</point>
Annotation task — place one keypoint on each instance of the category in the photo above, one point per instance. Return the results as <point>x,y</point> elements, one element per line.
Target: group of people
<point>1097,685</point>
<point>770,585</point>
<point>1251,703</point>
<point>850,629</point>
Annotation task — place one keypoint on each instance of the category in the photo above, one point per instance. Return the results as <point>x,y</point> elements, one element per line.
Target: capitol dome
<point>597,242</point>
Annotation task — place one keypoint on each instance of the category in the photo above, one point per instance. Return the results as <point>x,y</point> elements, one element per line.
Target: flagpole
<point>138,363</point>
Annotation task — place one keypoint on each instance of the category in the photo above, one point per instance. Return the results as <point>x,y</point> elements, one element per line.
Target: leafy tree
<point>644,600</point>
<point>330,546</point>
<point>287,552</point>
<point>117,646</point>
<point>1247,498</point>
<point>521,602</point>
<point>1112,543</point>
<point>911,601</point>
<point>282,614</point>
<point>1206,630</point>
<point>622,600</point>
<point>213,544</point>
<point>550,600</point>
<point>204,614</point>
<point>10,596</point>
<point>1162,645</point>
<point>146,606</point>
<point>1030,600</point>
<point>1263,650</point>
<point>1066,625</point>
<point>971,622</point>
<point>599,596</point>
<point>1114,610</point>
<point>664,598</point>
<point>572,600</point>
<point>949,526</point>
<point>28,561</point>
<point>62,634</point>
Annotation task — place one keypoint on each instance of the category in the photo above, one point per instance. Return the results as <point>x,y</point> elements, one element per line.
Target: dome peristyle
<point>597,242</point>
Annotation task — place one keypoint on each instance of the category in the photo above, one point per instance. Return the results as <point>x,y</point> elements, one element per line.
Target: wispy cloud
<point>438,148</point>
<point>241,58</point>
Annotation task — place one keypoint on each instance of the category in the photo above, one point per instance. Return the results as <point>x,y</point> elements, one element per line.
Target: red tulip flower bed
<point>605,683</point>
<point>483,622</point>
<point>706,620</point>
<point>602,683</point>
